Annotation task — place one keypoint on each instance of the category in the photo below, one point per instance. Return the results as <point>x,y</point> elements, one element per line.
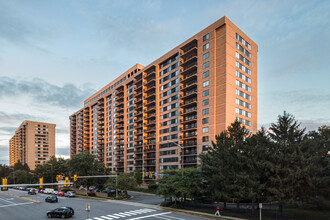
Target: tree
<point>125,182</point>
<point>54,166</point>
<point>138,176</point>
<point>287,137</point>
<point>85,164</point>
<point>174,185</point>
<point>224,165</point>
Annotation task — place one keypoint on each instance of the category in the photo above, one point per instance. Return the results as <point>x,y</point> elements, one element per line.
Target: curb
<point>19,197</point>
<point>201,214</point>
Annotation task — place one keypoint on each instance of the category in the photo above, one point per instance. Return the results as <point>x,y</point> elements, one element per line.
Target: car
<point>48,191</point>
<point>110,192</point>
<point>51,198</point>
<point>54,193</point>
<point>62,212</point>
<point>41,191</point>
<point>70,194</point>
<point>32,192</point>
<point>60,193</point>
<point>71,209</point>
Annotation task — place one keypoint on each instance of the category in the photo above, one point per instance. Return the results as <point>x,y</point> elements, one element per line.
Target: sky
<point>54,54</point>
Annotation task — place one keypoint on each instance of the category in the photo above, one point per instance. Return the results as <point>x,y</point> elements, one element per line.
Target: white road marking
<point>119,215</point>
<point>105,217</point>
<point>111,216</point>
<point>149,216</point>
<point>98,218</point>
<point>6,200</point>
<point>16,204</point>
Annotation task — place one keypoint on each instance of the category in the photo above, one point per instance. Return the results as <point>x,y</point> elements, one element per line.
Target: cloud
<point>18,31</point>
<point>7,130</point>
<point>42,92</point>
<point>7,118</point>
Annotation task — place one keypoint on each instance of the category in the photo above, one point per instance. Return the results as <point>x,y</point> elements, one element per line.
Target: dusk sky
<point>54,54</point>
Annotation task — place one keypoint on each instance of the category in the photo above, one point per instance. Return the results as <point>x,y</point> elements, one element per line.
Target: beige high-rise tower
<point>33,143</point>
<point>162,115</point>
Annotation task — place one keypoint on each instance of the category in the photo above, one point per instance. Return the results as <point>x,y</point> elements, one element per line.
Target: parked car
<point>55,192</point>
<point>48,190</point>
<point>62,212</point>
<point>70,194</point>
<point>41,191</point>
<point>51,198</point>
<point>60,193</point>
<point>110,192</point>
<point>32,192</point>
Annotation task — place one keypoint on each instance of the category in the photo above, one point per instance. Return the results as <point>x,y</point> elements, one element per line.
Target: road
<point>16,209</point>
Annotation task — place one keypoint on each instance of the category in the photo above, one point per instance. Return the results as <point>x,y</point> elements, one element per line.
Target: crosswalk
<point>147,213</point>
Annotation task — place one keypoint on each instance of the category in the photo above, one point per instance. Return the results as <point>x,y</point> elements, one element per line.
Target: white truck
<point>48,191</point>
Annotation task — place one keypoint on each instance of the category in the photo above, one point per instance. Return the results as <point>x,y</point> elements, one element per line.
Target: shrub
<point>91,194</point>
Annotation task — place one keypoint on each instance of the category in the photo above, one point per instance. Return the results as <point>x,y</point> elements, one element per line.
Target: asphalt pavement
<point>141,206</point>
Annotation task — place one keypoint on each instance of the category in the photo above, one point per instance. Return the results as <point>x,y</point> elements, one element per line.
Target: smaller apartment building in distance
<point>163,115</point>
<point>33,143</point>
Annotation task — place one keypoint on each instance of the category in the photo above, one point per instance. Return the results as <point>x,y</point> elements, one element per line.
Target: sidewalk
<point>201,214</point>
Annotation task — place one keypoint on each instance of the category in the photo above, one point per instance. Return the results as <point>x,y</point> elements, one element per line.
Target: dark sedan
<point>62,212</point>
<point>71,209</point>
<point>52,198</point>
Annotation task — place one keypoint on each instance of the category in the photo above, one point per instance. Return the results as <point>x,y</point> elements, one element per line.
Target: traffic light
<point>4,182</point>
<point>66,181</point>
<point>150,174</point>
<point>75,177</point>
<point>143,174</point>
<point>58,177</point>
<point>41,181</point>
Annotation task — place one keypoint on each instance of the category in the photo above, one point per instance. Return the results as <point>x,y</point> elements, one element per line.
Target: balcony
<point>149,109</point>
<point>149,116</point>
<point>189,127</point>
<point>192,45</point>
<point>189,102</point>
<point>188,86</point>
<point>189,94</point>
<point>190,67</point>
<point>188,77</point>
<point>188,59</point>
<point>189,111</point>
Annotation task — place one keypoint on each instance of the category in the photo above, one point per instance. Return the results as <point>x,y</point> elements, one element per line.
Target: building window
<point>205,111</point>
<point>206,74</point>
<point>206,93</point>
<point>205,147</point>
<point>206,65</point>
<point>205,138</point>
<point>206,46</point>
<point>206,83</point>
<point>205,129</point>
<point>205,102</point>
<point>205,120</point>
<point>206,55</point>
<point>206,37</point>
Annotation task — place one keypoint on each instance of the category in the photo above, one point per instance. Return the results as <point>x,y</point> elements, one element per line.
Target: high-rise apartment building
<point>163,115</point>
<point>33,143</point>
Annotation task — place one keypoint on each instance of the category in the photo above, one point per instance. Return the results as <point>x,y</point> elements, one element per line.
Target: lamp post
<point>181,148</point>
<point>13,173</point>
<point>51,167</point>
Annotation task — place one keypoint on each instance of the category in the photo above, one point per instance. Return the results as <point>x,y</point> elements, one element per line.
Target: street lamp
<point>13,173</point>
<point>51,167</point>
<point>181,148</point>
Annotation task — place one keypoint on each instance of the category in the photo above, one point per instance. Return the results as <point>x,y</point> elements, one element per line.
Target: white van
<point>48,191</point>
